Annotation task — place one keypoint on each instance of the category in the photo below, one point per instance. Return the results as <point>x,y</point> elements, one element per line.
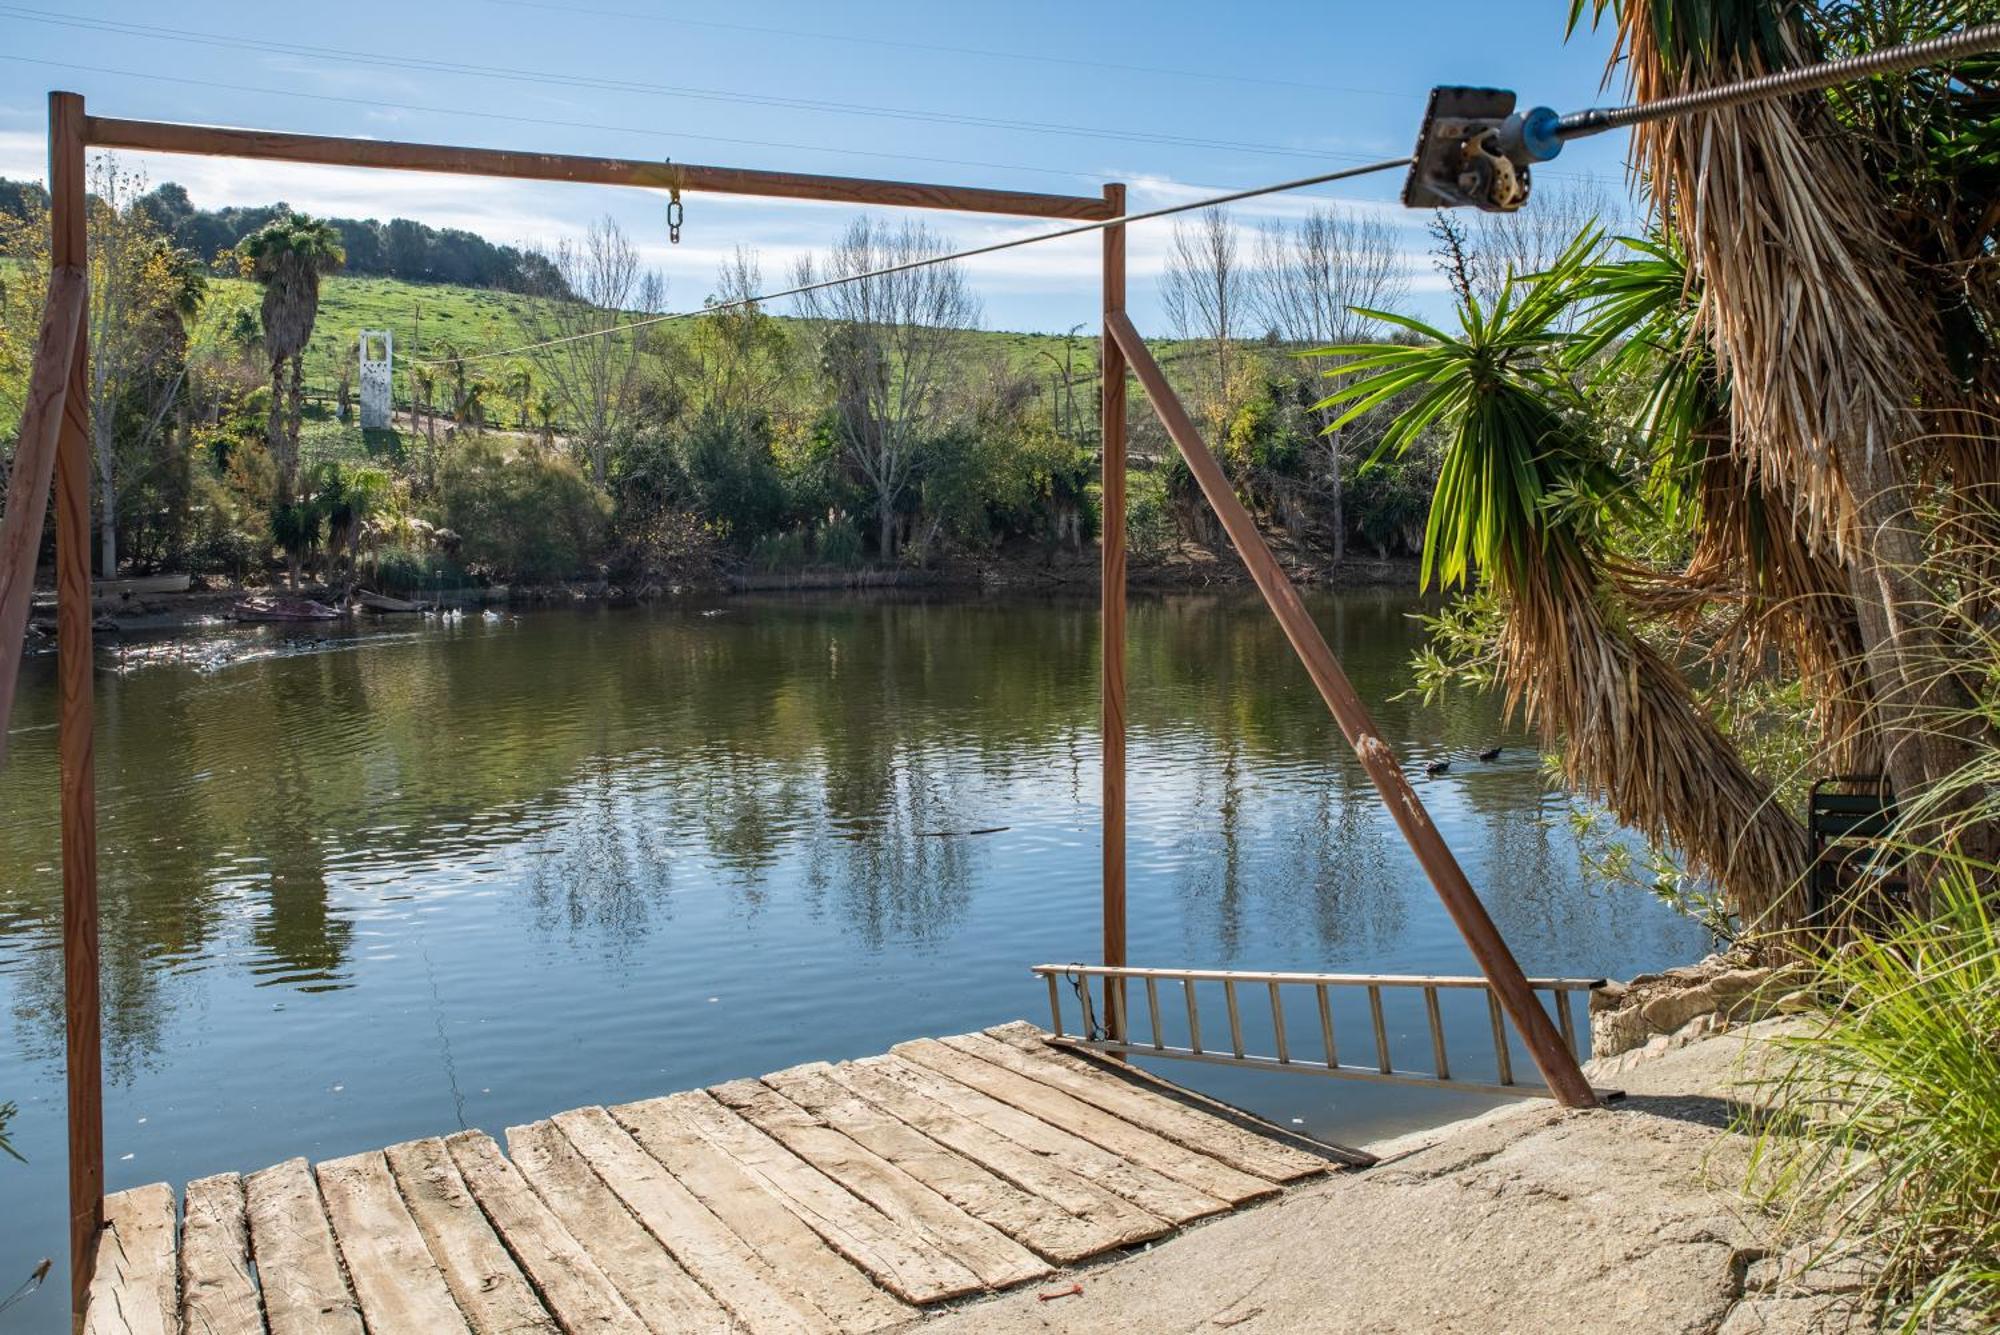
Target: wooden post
<point>1496,961</point>
<point>1111,634</point>
<point>70,250</point>
<point>28,484</point>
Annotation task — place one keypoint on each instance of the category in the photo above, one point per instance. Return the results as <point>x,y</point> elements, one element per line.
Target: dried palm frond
<point>1523,494</point>
<point>1831,329</point>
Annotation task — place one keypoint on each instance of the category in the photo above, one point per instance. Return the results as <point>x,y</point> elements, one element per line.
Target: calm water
<point>364,886</point>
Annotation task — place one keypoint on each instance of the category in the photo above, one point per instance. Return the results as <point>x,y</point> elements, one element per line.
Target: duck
<point>1436,767</point>
<point>1490,754</point>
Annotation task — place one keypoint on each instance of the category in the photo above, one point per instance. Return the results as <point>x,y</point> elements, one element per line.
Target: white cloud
<point>1046,286</point>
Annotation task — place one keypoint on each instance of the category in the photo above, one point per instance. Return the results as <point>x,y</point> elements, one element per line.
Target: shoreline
<point>1190,571</point>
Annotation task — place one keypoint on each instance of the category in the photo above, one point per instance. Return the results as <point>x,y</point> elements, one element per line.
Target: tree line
<point>867,423</point>
<point>400,248</point>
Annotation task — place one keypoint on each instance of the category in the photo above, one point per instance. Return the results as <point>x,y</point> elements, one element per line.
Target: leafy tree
<point>888,345</point>
<point>529,515</point>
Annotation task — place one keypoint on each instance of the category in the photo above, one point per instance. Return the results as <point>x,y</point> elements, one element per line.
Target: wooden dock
<point>819,1199</point>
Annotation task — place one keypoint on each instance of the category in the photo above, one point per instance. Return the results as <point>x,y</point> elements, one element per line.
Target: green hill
<point>425,316</point>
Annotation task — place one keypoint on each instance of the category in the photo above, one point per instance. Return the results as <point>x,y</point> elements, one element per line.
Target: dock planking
<point>819,1200</point>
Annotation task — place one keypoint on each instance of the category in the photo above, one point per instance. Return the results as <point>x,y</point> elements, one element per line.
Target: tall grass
<point>1887,1137</point>
<point>1883,1133</point>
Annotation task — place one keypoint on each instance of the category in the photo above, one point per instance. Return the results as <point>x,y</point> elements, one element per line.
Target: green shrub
<point>1887,1126</point>
<point>405,570</point>
<point>1149,516</point>
<point>838,542</point>
<point>530,515</point>
<point>776,552</point>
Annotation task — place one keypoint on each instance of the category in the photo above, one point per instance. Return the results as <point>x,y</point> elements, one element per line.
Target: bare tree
<point>589,287</point>
<point>1530,240</point>
<point>1206,293</point>
<point>1311,282</point>
<point>888,343</point>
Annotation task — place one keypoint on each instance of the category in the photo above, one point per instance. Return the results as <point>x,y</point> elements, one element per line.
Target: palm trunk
<point>1927,719</point>
<point>274,431</point>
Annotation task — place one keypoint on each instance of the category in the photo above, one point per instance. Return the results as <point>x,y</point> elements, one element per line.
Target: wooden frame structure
<point>55,439</point>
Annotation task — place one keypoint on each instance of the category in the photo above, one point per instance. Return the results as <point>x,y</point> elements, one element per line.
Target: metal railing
<point>1116,1039</point>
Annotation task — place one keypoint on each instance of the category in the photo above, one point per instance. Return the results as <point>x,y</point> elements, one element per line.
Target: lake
<point>368,884</point>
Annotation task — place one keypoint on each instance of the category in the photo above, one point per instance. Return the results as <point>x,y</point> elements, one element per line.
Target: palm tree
<point>1845,248</point>
<point>348,495</point>
<point>1528,493</point>
<point>288,255</point>
<point>519,386</point>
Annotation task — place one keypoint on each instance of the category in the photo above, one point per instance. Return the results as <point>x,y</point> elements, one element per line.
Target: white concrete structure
<point>378,348</point>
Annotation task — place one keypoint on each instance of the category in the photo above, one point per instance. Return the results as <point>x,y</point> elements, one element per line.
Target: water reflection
<point>362,885</point>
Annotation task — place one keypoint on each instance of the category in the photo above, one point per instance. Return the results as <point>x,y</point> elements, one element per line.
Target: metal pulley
<point>1475,150</point>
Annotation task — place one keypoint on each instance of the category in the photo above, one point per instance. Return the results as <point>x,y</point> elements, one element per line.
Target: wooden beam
<point>34,465</point>
<point>75,715</point>
<point>1111,632</point>
<point>1496,961</point>
<point>273,145</point>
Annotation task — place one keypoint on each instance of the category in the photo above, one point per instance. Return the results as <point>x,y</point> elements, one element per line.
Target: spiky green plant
<point>1529,496</point>
<point>1886,1133</point>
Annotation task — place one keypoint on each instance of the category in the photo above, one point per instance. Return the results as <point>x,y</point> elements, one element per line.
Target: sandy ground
<point>1530,1219</point>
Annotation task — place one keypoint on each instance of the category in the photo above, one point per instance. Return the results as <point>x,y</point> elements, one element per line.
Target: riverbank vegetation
<point>1719,506</point>
<point>874,425</point>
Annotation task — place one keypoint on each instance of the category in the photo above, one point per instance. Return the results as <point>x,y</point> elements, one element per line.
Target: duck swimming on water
<point>1436,767</point>
<point>1490,755</point>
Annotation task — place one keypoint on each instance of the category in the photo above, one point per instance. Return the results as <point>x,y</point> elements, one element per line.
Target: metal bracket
<point>1463,155</point>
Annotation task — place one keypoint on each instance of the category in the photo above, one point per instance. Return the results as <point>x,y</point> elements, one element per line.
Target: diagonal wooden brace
<point>1552,1056</point>
<point>34,465</point>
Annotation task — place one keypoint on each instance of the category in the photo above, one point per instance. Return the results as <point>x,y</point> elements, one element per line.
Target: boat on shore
<point>142,584</point>
<point>282,609</point>
<point>382,602</point>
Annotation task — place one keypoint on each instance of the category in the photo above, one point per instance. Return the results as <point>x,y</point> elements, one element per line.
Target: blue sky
<point>1178,99</point>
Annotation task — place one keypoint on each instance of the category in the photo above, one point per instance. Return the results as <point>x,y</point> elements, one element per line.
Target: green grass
<point>1886,1133</point>
<point>478,321</point>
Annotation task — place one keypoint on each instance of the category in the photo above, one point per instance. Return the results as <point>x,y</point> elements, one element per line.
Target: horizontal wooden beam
<point>272,145</point>
<point>34,465</point>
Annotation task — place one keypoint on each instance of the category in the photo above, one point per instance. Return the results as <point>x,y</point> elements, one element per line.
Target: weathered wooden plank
<point>395,1280</point>
<point>1106,1130</point>
<point>902,1261</point>
<point>1153,1191</point>
<point>217,1292</point>
<point>1041,1171</point>
<point>298,1267</point>
<point>483,1278</point>
<point>1019,1047</point>
<point>581,1297</point>
<point>133,1287</point>
<point>741,1200</point>
<point>997,1259</point>
<point>660,1293</point>
<point>1044,1227</point>
<point>723,1263</point>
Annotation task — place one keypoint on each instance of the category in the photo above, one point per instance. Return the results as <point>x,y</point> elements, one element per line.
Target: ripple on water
<point>363,885</point>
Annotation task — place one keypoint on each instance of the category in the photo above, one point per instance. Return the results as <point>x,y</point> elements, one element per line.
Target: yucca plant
<point>1529,490</point>
<point>1884,1130</point>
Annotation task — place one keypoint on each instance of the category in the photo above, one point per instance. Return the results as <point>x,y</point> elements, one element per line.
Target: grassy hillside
<point>475,320</point>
